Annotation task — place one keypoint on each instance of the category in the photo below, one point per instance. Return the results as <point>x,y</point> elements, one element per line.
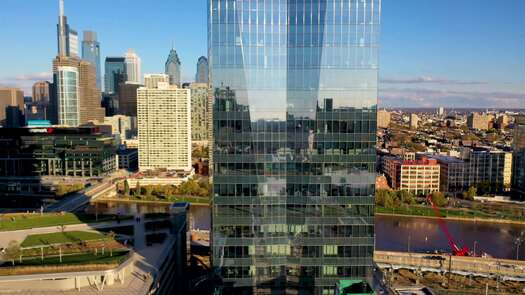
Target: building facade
<point>75,152</point>
<point>41,92</point>
<point>114,73</point>
<point>493,167</point>
<point>172,68</point>
<point>91,53</point>
<point>478,121</point>
<point>202,75</point>
<point>518,171</point>
<point>383,118</point>
<point>414,121</point>
<point>200,115</point>
<point>133,67</point>
<point>153,80</point>
<point>127,99</point>
<point>419,177</point>
<point>164,127</point>
<point>294,128</point>
<point>10,97</point>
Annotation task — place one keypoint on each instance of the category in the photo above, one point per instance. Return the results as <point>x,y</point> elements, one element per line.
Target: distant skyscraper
<point>441,111</point>
<point>164,127</point>
<point>202,70</point>
<point>127,99</point>
<point>10,97</point>
<point>152,80</point>
<point>91,53</point>
<point>133,64</point>
<point>41,92</point>
<point>115,73</point>
<point>172,68</point>
<point>294,136</point>
<point>67,38</point>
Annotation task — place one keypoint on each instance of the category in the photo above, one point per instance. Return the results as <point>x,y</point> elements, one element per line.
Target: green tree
<point>406,197</point>
<point>12,252</point>
<point>126,188</point>
<point>439,199</point>
<point>471,193</point>
<point>137,190</point>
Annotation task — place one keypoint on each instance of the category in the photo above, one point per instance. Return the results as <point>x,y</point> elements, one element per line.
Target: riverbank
<point>146,202</point>
<point>465,219</point>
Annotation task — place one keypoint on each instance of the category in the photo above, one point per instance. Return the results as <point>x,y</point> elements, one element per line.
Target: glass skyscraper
<point>115,73</point>
<point>518,163</point>
<point>295,102</point>
<point>91,53</point>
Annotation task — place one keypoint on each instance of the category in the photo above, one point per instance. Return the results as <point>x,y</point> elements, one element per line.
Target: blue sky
<point>457,53</point>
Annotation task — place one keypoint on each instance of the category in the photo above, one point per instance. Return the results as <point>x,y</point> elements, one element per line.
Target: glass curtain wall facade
<point>295,102</point>
<point>68,96</point>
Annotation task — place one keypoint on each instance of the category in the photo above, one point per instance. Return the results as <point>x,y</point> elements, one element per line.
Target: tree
<point>12,252</point>
<point>439,199</point>
<point>471,193</point>
<point>137,190</point>
<point>126,188</point>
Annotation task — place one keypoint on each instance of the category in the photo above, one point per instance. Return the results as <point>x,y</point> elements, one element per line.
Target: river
<point>394,233</point>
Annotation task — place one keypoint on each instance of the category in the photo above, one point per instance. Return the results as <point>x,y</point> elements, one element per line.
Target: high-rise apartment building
<point>383,118</point>
<point>91,53</point>
<point>164,127</point>
<point>41,92</point>
<point>518,171</point>
<point>172,68</point>
<point>115,73</point>
<point>294,134</point>
<point>202,75</point>
<point>133,64</point>
<point>200,112</point>
<point>10,97</point>
<point>67,37</point>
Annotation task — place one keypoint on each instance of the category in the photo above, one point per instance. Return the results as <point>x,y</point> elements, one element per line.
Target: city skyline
<point>416,69</point>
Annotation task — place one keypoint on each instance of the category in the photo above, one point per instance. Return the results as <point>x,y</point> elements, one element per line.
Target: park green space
<point>88,258</point>
<point>61,238</point>
<point>9,222</point>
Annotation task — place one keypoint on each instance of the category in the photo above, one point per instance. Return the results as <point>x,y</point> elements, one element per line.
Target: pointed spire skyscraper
<point>172,67</point>
<point>67,38</point>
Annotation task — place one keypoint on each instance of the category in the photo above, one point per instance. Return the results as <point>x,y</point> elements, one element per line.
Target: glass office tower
<point>115,73</point>
<point>91,53</point>
<point>295,101</point>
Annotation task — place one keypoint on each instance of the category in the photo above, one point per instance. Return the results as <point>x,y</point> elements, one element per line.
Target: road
<point>82,198</point>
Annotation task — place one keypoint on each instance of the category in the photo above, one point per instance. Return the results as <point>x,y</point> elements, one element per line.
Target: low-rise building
<point>416,176</point>
<point>74,152</point>
<point>128,159</point>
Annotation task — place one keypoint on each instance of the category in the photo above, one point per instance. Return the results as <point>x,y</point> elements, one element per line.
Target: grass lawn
<point>118,257</point>
<point>61,238</point>
<point>10,222</point>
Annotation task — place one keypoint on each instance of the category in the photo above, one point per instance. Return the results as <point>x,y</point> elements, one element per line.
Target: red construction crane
<point>456,250</point>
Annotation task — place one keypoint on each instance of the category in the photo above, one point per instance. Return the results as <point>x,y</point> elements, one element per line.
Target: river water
<point>394,233</point>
